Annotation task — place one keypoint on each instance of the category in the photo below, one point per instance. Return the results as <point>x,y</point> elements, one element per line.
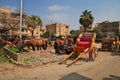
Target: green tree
<point>72,32</point>
<point>118,33</point>
<point>36,21</point>
<point>98,32</point>
<point>86,19</point>
<point>46,34</point>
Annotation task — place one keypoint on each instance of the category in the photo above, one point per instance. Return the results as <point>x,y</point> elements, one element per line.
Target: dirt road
<point>106,67</point>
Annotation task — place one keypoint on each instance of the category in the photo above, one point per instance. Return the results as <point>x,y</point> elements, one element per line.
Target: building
<point>5,10</point>
<point>58,29</point>
<point>9,22</point>
<point>109,28</point>
<point>4,15</point>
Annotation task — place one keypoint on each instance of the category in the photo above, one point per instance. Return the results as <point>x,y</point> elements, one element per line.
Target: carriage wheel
<point>94,53</point>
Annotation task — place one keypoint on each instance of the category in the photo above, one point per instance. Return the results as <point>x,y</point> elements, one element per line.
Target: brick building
<point>109,28</point>
<point>58,29</point>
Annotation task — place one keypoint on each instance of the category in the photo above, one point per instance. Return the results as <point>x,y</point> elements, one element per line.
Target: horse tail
<point>44,43</point>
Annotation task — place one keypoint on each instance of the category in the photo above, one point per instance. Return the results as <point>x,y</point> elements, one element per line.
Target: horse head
<point>57,41</point>
<point>18,43</point>
<point>4,42</point>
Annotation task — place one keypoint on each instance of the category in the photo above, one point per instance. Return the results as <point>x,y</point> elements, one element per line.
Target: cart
<point>85,44</point>
<point>107,44</point>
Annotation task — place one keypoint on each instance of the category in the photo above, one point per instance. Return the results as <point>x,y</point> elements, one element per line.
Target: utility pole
<point>20,33</point>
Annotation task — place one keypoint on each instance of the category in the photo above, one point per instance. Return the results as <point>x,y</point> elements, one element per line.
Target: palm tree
<point>36,21</point>
<point>86,19</point>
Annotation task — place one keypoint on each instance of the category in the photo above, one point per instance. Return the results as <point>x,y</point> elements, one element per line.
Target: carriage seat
<point>85,40</point>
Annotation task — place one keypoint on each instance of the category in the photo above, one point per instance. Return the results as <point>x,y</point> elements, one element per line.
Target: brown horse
<point>58,46</point>
<point>39,43</point>
<point>63,45</point>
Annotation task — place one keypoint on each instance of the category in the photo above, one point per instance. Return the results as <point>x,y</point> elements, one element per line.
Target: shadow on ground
<point>112,77</point>
<point>74,76</point>
<point>81,58</point>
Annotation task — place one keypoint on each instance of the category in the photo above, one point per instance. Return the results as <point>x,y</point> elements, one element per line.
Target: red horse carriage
<point>85,44</point>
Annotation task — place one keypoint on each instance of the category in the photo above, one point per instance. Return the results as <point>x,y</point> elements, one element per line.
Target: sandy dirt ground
<point>106,67</point>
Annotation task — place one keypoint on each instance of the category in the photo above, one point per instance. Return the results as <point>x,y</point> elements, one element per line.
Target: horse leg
<point>38,48</point>
<point>28,47</point>
<point>33,48</point>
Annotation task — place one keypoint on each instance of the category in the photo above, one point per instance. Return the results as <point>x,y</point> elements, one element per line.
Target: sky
<point>67,11</point>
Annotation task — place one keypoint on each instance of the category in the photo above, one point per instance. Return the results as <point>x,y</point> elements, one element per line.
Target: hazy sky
<point>67,11</point>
